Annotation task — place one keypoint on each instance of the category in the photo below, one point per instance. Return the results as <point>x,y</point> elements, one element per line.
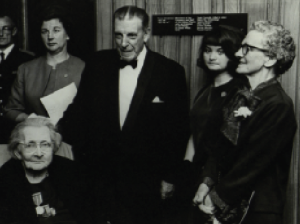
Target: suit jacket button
<point>65,75</point>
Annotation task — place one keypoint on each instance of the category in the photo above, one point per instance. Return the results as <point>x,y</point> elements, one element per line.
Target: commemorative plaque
<point>196,24</point>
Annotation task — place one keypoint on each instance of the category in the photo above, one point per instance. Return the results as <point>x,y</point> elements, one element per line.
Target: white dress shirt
<point>127,84</point>
<point>7,51</point>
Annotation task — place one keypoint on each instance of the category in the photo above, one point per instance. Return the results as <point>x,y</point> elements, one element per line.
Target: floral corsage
<point>242,111</point>
<point>239,108</point>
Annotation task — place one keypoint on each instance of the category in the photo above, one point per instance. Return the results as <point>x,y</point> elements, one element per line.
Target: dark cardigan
<point>16,204</point>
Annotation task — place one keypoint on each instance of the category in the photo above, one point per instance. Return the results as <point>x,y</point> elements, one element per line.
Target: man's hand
<point>166,190</point>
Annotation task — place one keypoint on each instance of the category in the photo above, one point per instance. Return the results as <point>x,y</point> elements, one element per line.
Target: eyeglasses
<point>246,48</point>
<point>32,146</point>
<point>6,29</point>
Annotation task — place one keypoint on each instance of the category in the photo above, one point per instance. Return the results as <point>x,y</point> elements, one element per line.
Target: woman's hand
<point>200,194</point>
<point>203,200</point>
<point>207,206</point>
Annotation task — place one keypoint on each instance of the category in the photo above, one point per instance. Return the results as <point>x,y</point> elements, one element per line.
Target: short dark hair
<point>229,38</point>
<point>132,11</point>
<point>56,12</point>
<point>7,10</point>
<point>10,16</point>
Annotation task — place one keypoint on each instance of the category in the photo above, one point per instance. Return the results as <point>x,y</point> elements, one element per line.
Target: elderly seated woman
<point>37,186</point>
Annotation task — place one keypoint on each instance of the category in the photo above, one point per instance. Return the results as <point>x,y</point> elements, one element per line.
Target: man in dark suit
<point>129,121</point>
<point>10,59</point>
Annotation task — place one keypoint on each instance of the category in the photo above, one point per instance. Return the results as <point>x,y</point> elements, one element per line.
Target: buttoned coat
<point>31,82</point>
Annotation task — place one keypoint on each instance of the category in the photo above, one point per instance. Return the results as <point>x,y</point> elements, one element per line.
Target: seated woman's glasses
<point>32,146</point>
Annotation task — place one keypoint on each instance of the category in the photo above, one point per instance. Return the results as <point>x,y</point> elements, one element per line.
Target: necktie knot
<point>132,63</point>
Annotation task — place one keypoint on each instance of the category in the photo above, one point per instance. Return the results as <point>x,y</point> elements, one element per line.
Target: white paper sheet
<point>57,102</point>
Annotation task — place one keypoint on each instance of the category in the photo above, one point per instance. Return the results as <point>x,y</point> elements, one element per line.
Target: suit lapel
<point>137,98</point>
<point>11,55</point>
<point>113,83</point>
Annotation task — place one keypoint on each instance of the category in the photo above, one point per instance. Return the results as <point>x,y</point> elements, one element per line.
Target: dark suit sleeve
<point>16,103</point>
<point>73,125</point>
<point>269,143</point>
<point>176,124</point>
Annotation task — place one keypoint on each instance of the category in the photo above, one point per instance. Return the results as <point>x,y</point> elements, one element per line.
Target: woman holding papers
<point>47,74</point>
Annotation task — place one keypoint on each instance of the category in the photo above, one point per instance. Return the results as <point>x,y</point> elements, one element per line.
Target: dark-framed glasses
<point>6,29</point>
<point>32,146</point>
<point>246,48</point>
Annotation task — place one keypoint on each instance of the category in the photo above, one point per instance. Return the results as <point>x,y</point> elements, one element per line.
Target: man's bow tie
<point>132,63</point>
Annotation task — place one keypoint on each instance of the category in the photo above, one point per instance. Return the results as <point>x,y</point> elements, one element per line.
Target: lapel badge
<point>223,94</point>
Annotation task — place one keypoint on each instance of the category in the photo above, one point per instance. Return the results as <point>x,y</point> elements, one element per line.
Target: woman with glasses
<point>250,178</point>
<point>37,186</point>
<point>267,130</point>
<point>46,74</point>
<point>210,121</point>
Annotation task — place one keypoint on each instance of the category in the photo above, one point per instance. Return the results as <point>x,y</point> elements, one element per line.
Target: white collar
<point>142,55</point>
<point>8,50</point>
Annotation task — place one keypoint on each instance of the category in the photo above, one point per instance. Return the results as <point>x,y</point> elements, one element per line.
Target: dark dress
<point>211,145</point>
<point>206,118</point>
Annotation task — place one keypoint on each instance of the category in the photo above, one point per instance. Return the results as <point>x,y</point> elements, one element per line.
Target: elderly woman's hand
<point>207,206</point>
<point>200,194</point>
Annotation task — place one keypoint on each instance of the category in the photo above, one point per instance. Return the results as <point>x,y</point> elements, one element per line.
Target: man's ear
<point>270,62</point>
<point>147,34</point>
<point>14,31</point>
